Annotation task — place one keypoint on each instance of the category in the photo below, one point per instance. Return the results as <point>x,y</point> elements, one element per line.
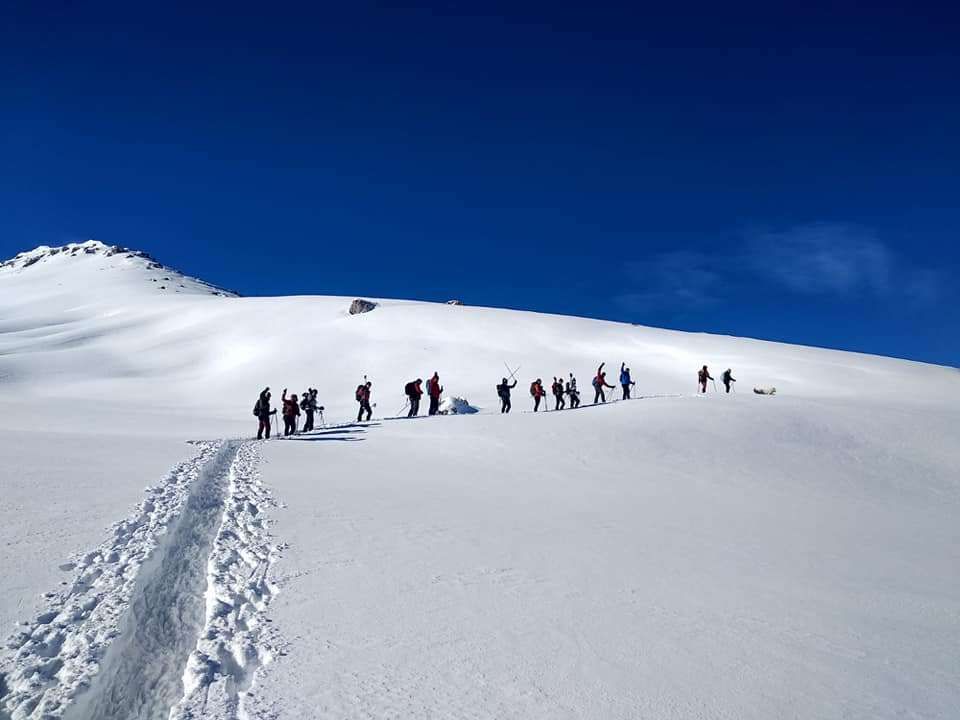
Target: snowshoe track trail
<point>48,661</point>
<point>164,619</point>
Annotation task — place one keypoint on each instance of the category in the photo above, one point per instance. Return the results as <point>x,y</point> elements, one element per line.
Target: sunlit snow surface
<point>676,556</point>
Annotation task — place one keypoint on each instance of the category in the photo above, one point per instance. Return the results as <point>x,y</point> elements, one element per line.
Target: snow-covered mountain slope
<point>97,326</point>
<point>676,556</point>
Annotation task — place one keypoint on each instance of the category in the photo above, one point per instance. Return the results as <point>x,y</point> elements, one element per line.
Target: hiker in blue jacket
<point>625,381</point>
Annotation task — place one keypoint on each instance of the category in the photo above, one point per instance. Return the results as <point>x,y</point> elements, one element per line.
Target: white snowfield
<point>675,556</point>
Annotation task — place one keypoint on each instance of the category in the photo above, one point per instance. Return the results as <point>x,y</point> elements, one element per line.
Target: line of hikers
<point>559,389</point>
<point>292,406</point>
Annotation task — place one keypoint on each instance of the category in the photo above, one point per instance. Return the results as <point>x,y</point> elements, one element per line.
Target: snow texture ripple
<point>48,661</point>
<point>235,640</point>
<point>140,675</point>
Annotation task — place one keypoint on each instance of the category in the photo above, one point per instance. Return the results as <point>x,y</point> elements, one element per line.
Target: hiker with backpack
<point>263,412</point>
<point>599,383</point>
<point>557,389</point>
<point>309,406</point>
<point>625,381</point>
<point>537,392</point>
<point>503,392</point>
<point>363,397</point>
<point>291,411</point>
<point>414,392</point>
<point>728,379</point>
<point>702,376</point>
<point>434,390</point>
<point>572,392</point>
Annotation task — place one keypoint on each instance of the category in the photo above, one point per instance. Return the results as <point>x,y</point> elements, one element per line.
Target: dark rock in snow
<point>361,306</point>
<point>454,302</point>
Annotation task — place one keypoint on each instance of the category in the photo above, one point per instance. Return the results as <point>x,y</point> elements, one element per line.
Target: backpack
<point>305,403</point>
<point>410,389</point>
<point>359,393</point>
<point>256,409</point>
<point>533,389</point>
<point>596,381</point>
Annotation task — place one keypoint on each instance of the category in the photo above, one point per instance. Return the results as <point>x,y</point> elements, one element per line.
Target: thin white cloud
<point>824,258</point>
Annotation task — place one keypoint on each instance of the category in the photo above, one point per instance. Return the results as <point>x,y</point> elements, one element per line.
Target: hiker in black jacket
<point>557,389</point>
<point>503,391</point>
<point>414,391</point>
<point>308,404</point>
<point>728,378</point>
<point>263,412</point>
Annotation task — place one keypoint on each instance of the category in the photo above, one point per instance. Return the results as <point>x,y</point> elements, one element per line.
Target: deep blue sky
<point>785,171</point>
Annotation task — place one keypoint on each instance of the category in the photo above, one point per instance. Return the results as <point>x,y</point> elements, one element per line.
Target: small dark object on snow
<point>454,302</point>
<point>361,306</point>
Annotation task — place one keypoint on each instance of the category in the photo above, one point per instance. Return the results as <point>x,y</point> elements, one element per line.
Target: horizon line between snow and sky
<point>763,172</point>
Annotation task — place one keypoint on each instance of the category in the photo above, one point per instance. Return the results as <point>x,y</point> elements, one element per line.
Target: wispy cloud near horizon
<point>823,259</point>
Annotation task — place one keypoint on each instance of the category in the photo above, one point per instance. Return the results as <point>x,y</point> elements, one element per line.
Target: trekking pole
<point>714,384</point>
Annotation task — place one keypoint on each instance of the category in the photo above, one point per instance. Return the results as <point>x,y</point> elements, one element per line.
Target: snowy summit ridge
<point>112,257</point>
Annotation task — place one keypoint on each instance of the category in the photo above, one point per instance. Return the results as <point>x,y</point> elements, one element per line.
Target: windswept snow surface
<point>674,556</point>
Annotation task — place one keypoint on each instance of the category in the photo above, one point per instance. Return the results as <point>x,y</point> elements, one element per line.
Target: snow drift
<point>672,556</point>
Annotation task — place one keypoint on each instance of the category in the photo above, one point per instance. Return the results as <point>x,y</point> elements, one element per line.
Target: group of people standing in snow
<point>414,391</point>
<point>704,374</point>
<point>292,407</point>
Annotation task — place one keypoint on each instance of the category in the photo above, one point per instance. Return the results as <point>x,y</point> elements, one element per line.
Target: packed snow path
<point>676,558</point>
<point>166,608</point>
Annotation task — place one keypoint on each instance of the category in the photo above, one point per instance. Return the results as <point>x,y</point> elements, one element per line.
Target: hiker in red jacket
<point>363,397</point>
<point>703,375</point>
<point>537,391</point>
<point>291,411</point>
<point>599,383</point>
<point>434,390</point>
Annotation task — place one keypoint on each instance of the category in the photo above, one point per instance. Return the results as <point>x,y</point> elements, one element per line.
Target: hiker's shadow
<point>350,433</point>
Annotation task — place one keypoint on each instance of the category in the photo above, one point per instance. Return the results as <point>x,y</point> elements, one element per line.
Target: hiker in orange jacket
<point>537,391</point>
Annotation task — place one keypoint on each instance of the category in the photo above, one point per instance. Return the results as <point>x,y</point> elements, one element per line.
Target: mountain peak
<point>62,259</point>
<point>89,247</point>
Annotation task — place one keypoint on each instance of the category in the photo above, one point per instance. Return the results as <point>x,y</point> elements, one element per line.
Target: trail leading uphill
<point>673,556</point>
